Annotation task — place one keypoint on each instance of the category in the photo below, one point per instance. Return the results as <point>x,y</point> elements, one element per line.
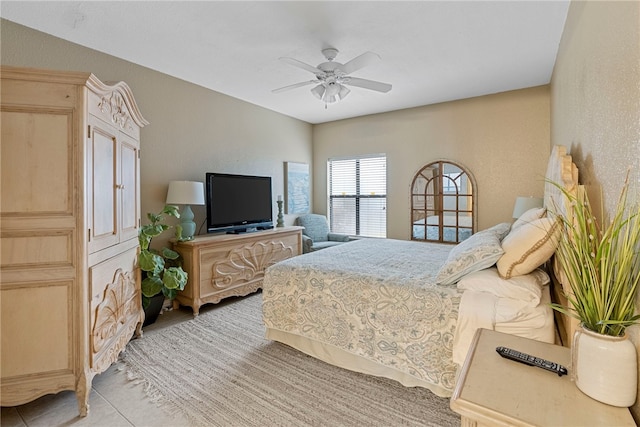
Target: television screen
<point>238,203</point>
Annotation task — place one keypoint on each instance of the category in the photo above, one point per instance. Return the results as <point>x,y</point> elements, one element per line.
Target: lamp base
<point>187,223</point>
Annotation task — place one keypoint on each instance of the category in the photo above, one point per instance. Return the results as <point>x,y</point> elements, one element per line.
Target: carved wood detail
<point>248,262</point>
<point>114,105</point>
<point>113,327</point>
<point>221,266</point>
<point>83,389</point>
<point>234,291</point>
<point>118,344</point>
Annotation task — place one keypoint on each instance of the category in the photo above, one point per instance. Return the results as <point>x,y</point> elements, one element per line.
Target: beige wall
<point>193,130</point>
<point>502,139</point>
<point>595,100</point>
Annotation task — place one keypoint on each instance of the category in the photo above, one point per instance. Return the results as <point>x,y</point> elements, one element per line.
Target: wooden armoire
<point>70,210</point>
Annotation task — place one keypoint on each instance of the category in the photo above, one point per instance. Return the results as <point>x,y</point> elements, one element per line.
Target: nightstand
<point>493,391</point>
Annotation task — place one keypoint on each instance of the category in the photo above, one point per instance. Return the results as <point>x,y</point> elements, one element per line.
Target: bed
<point>408,310</point>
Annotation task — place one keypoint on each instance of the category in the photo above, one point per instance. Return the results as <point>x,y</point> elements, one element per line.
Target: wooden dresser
<point>70,211</point>
<point>224,265</point>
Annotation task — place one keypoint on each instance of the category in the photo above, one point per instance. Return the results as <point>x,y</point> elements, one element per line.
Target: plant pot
<point>153,310</point>
<point>605,367</point>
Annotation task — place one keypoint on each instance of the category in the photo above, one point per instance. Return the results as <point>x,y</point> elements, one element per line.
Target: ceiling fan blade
<point>302,65</point>
<point>367,84</point>
<point>361,61</point>
<point>293,86</point>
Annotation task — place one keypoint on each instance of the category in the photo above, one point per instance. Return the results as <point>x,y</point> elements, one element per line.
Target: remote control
<point>527,359</point>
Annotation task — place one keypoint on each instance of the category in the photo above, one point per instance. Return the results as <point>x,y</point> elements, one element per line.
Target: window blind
<point>358,196</point>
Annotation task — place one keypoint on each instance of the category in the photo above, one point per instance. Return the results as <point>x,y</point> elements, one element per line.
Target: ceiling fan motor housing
<point>330,53</point>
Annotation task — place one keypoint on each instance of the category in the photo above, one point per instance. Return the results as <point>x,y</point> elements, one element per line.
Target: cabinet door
<point>102,182</point>
<point>129,190</point>
<point>37,257</point>
<point>113,179</point>
<point>116,307</point>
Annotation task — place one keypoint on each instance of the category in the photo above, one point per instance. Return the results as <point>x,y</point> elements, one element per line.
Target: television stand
<point>224,265</point>
<point>249,230</point>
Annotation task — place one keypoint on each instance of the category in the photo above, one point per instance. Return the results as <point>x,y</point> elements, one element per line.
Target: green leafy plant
<point>601,265</point>
<point>162,270</point>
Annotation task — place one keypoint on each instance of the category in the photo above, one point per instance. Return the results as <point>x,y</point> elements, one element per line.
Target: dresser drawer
<point>237,265</point>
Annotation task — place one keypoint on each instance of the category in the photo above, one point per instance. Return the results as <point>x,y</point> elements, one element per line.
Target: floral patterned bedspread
<point>375,298</point>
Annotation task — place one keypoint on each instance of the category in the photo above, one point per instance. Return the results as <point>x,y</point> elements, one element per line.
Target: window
<point>442,204</point>
<point>358,196</point>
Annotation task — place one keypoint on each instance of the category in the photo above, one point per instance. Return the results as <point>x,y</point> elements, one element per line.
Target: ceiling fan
<point>332,77</point>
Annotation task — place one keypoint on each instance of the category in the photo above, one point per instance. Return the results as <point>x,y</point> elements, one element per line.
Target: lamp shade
<point>318,91</point>
<point>185,193</point>
<point>523,204</point>
<point>344,91</point>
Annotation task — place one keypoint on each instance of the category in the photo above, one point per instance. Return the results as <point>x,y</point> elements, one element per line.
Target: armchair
<point>316,234</point>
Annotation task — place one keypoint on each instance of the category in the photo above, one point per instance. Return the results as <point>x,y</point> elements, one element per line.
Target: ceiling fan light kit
<point>330,92</point>
<point>333,76</point>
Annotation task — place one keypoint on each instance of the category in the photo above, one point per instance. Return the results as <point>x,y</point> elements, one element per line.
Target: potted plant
<point>602,266</point>
<point>162,271</point>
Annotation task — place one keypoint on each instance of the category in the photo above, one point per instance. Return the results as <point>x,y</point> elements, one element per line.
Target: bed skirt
<point>343,359</point>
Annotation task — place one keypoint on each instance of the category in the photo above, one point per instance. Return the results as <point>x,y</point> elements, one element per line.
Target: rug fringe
<point>153,393</point>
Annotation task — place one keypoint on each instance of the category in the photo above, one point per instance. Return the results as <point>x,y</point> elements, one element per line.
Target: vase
<point>605,367</point>
<point>153,310</point>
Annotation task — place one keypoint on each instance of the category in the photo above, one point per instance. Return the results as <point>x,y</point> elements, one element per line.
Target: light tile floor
<point>114,400</point>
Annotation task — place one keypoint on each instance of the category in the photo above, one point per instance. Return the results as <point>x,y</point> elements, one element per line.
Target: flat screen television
<point>238,203</point>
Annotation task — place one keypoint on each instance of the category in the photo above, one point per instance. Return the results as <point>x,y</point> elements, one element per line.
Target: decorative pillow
<point>526,288</point>
<point>479,251</point>
<point>501,230</point>
<point>527,247</point>
<point>529,216</point>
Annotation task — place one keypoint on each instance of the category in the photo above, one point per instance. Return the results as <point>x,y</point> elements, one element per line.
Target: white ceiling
<point>432,51</point>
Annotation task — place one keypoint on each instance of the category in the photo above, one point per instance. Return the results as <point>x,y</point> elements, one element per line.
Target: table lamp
<point>523,204</point>
<point>186,193</point>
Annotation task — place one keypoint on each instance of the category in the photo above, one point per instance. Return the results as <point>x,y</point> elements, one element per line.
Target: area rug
<point>220,371</point>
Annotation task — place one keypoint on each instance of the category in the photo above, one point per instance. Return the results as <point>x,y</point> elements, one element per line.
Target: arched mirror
<point>442,203</point>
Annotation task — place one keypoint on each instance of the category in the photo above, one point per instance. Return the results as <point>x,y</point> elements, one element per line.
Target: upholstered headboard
<point>561,170</point>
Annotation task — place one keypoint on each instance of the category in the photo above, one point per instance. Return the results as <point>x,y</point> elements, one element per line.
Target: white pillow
<point>479,251</point>
<point>529,216</point>
<point>526,288</point>
<point>527,247</point>
<point>501,230</point>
